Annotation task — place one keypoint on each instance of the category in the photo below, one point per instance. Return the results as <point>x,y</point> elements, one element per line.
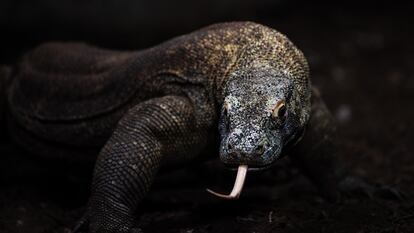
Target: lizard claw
<point>356,186</point>
<point>391,193</point>
<point>82,225</point>
<point>108,224</point>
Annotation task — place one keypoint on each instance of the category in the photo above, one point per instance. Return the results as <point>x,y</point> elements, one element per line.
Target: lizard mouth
<point>238,185</point>
<point>251,168</point>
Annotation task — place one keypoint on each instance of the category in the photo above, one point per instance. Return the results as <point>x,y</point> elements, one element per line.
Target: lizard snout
<point>244,151</point>
<point>247,151</point>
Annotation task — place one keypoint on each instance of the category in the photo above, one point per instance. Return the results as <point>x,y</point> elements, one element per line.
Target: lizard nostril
<point>260,149</point>
<point>229,146</point>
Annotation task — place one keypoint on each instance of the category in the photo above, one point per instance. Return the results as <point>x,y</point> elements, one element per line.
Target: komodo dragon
<point>241,89</point>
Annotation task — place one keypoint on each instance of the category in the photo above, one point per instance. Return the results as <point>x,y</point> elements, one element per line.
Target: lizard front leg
<point>157,130</point>
<point>315,155</point>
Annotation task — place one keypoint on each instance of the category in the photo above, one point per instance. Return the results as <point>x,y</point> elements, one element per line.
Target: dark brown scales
<point>146,108</point>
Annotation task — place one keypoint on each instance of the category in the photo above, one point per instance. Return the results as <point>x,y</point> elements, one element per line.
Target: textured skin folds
<point>163,106</point>
<point>145,137</point>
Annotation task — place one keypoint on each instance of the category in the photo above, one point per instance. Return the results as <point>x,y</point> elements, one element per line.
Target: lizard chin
<point>238,185</point>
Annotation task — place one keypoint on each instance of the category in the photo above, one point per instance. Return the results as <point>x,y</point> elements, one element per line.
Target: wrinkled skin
<point>137,112</point>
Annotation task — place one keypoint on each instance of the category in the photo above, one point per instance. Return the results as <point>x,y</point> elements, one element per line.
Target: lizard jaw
<point>238,185</point>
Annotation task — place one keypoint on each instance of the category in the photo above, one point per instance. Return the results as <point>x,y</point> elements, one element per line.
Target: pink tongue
<point>238,185</point>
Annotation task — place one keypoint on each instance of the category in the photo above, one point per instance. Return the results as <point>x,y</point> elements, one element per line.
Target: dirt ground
<point>364,66</point>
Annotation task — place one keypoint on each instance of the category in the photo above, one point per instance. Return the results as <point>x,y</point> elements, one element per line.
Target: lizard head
<point>260,115</point>
<point>263,112</point>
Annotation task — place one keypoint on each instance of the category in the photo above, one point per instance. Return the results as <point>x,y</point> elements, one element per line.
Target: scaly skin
<point>162,106</point>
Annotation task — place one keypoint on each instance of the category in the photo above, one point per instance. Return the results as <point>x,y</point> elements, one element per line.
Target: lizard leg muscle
<point>315,156</point>
<point>148,134</point>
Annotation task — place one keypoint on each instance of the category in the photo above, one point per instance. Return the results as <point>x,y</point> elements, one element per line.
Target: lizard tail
<point>5,73</point>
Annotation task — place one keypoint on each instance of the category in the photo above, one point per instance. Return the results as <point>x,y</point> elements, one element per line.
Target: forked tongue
<point>238,185</point>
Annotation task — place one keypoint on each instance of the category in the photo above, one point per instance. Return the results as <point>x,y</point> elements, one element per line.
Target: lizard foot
<point>83,226</point>
<point>356,186</point>
<point>108,222</point>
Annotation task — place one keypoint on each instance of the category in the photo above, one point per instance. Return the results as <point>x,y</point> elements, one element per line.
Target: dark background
<point>361,57</point>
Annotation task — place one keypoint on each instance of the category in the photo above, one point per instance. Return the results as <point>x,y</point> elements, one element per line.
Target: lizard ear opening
<point>238,185</point>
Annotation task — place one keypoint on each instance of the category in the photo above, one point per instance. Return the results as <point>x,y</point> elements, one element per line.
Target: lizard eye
<point>280,110</point>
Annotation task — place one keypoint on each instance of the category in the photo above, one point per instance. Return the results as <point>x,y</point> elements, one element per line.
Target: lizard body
<point>241,87</point>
